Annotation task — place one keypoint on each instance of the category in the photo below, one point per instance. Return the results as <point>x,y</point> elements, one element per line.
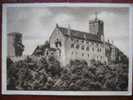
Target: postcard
<point>77,49</point>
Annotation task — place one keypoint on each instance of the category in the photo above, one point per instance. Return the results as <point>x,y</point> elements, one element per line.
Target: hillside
<point>38,73</point>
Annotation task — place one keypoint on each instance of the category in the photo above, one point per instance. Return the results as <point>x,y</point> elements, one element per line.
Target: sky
<point>37,23</point>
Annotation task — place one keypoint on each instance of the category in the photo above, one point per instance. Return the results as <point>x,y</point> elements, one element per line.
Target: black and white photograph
<point>67,49</point>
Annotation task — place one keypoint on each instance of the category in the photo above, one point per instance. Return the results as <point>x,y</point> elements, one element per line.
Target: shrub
<point>38,73</point>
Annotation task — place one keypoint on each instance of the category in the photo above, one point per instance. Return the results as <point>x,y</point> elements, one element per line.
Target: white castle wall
<point>74,53</point>
<point>68,53</point>
<point>53,38</point>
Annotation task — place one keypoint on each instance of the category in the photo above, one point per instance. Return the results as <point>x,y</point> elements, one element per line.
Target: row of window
<point>87,42</point>
<point>97,57</point>
<point>83,47</point>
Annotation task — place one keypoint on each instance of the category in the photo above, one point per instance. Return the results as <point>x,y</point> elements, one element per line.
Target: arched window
<point>82,47</point>
<point>97,44</point>
<point>72,52</point>
<point>87,48</point>
<point>97,49</point>
<point>58,43</point>
<point>59,52</point>
<point>77,46</point>
<point>100,49</point>
<point>92,49</point>
<point>72,45</point>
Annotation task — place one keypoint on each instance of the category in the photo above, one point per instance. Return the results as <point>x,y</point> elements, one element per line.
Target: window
<point>88,55</point>
<point>96,57</point>
<point>72,39</point>
<point>57,43</point>
<point>82,47</point>
<point>97,49</point>
<point>47,53</point>
<point>97,44</point>
<point>87,48</point>
<point>100,49</point>
<point>72,52</point>
<point>72,45</point>
<point>52,53</point>
<point>82,54</point>
<point>92,49</point>
<point>77,46</point>
<point>87,42</point>
<point>82,41</point>
<point>101,45</point>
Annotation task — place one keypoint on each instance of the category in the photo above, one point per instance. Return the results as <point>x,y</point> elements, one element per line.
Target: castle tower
<point>96,27</point>
<point>15,46</point>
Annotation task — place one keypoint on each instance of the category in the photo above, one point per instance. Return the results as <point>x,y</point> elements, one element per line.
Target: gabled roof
<point>79,34</point>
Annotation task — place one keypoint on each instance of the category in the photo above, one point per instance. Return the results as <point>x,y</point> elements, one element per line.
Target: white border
<point>68,93</point>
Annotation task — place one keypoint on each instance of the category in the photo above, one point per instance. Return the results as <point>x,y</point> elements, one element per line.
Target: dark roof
<point>80,34</point>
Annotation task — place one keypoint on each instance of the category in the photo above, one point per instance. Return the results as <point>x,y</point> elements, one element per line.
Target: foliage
<point>40,49</point>
<point>39,73</point>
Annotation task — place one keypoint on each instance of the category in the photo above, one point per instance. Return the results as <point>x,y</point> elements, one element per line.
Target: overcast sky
<point>37,23</point>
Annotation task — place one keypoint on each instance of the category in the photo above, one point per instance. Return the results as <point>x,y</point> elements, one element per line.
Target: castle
<point>73,44</point>
<point>66,44</point>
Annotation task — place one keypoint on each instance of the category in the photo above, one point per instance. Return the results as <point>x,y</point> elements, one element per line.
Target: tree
<point>40,49</point>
